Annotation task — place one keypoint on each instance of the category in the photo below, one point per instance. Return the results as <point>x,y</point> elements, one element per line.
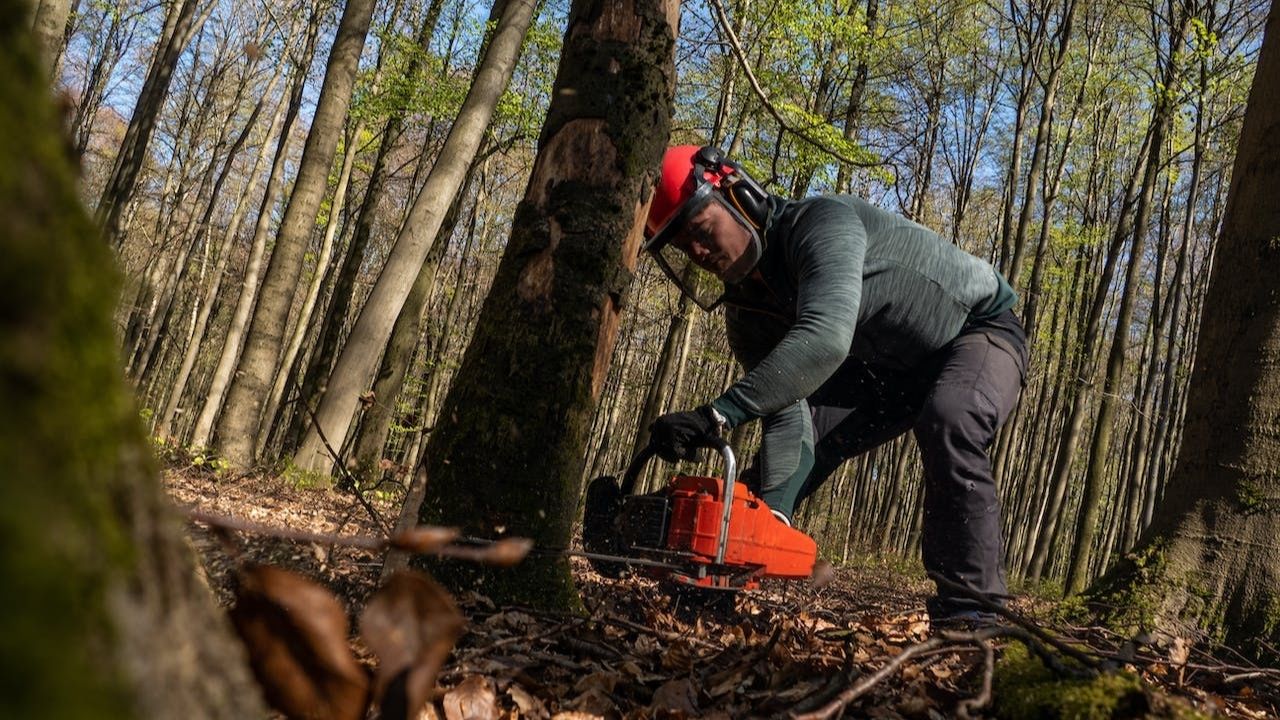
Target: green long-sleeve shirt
<point>840,277</point>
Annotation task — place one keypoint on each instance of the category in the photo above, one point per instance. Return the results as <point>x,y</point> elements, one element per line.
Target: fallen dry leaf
<point>529,706</point>
<point>296,635</point>
<point>675,697</point>
<point>424,539</point>
<point>411,624</point>
<point>508,552</point>
<point>474,699</point>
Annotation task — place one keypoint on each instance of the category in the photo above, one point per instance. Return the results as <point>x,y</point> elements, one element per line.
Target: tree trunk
<point>164,425</point>
<point>238,428</point>
<point>49,24</point>
<point>181,23</point>
<point>1210,559</point>
<point>112,619</point>
<point>356,366</point>
<point>227,360</point>
<point>1041,146</point>
<point>344,283</point>
<point>1104,425</point>
<point>376,424</point>
<point>284,368</point>
<point>507,453</point>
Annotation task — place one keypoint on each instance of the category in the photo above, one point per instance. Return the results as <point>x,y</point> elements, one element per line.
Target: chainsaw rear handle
<point>730,478</point>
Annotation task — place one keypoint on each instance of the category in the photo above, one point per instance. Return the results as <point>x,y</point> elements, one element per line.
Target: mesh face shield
<point>697,284</point>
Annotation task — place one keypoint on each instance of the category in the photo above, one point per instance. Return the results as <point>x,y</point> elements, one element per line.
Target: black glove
<point>679,435</point>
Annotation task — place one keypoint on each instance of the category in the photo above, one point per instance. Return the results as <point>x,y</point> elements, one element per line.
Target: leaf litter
<point>640,651</point>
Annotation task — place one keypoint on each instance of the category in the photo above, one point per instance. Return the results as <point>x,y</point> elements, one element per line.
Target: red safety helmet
<point>693,176</point>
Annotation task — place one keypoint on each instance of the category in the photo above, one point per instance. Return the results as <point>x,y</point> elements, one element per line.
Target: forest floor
<point>860,646</point>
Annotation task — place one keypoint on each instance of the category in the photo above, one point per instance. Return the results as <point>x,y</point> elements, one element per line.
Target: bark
<point>49,24</point>
<point>239,426</point>
<point>230,354</point>
<point>1211,559</point>
<point>181,23</point>
<point>356,366</point>
<point>112,619</point>
<point>508,452</point>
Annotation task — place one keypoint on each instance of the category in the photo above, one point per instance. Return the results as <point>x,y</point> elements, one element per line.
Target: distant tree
<point>105,616</point>
<point>507,453</point>
<point>1211,560</point>
<point>357,366</point>
<point>242,416</point>
<point>180,25</point>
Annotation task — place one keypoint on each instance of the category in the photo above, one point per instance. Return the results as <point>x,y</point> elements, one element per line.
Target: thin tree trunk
<point>227,360</point>
<point>181,23</point>
<point>192,351</point>
<point>356,366</point>
<point>1082,551</point>
<point>239,426</point>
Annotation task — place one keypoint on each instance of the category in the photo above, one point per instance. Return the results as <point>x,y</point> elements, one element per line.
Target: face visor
<point>701,286</point>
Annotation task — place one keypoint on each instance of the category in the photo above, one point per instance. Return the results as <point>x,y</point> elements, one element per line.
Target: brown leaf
<point>296,635</point>
<point>530,706</point>
<point>424,539</point>
<point>474,699</point>
<point>507,552</point>
<point>675,697</point>
<point>411,624</point>
<point>823,573</point>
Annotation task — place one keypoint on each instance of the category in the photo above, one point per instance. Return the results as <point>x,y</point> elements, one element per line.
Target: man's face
<point>714,240</point>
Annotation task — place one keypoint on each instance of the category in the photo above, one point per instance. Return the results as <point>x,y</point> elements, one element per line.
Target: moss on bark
<point>104,615</point>
<point>1024,689</point>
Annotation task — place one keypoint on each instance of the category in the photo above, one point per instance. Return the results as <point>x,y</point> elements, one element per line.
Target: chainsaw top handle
<point>650,451</point>
<point>730,477</point>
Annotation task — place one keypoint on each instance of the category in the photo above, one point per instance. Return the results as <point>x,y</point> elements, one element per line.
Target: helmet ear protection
<point>742,192</point>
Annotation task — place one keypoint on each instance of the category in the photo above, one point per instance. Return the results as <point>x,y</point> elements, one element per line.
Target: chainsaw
<point>705,532</point>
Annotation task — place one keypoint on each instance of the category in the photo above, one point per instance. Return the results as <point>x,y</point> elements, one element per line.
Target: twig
<point>1084,659</point>
<point>967,707</point>
<point>346,474</point>
<point>859,688</point>
<point>365,542</point>
<point>723,20</point>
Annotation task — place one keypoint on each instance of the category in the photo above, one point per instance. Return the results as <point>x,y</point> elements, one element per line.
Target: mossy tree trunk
<point>507,453</point>
<point>105,616</point>
<point>1211,560</point>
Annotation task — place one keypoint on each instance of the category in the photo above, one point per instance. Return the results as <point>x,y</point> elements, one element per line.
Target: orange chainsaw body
<point>758,542</point>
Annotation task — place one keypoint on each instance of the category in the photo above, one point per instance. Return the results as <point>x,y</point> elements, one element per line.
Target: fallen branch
<point>422,540</point>
<point>1090,662</point>
<point>966,708</point>
<point>860,688</point>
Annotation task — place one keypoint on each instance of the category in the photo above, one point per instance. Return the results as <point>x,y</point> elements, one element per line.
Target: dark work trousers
<point>954,406</point>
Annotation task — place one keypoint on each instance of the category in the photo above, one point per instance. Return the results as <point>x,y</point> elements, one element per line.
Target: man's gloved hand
<point>679,435</point>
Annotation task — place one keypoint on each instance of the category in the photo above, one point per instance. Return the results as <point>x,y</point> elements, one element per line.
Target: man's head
<point>709,210</point>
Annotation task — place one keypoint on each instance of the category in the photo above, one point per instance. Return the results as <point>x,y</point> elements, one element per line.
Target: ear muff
<point>749,198</point>
<point>737,187</point>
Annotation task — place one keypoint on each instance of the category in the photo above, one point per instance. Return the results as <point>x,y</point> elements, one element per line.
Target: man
<point>855,325</point>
